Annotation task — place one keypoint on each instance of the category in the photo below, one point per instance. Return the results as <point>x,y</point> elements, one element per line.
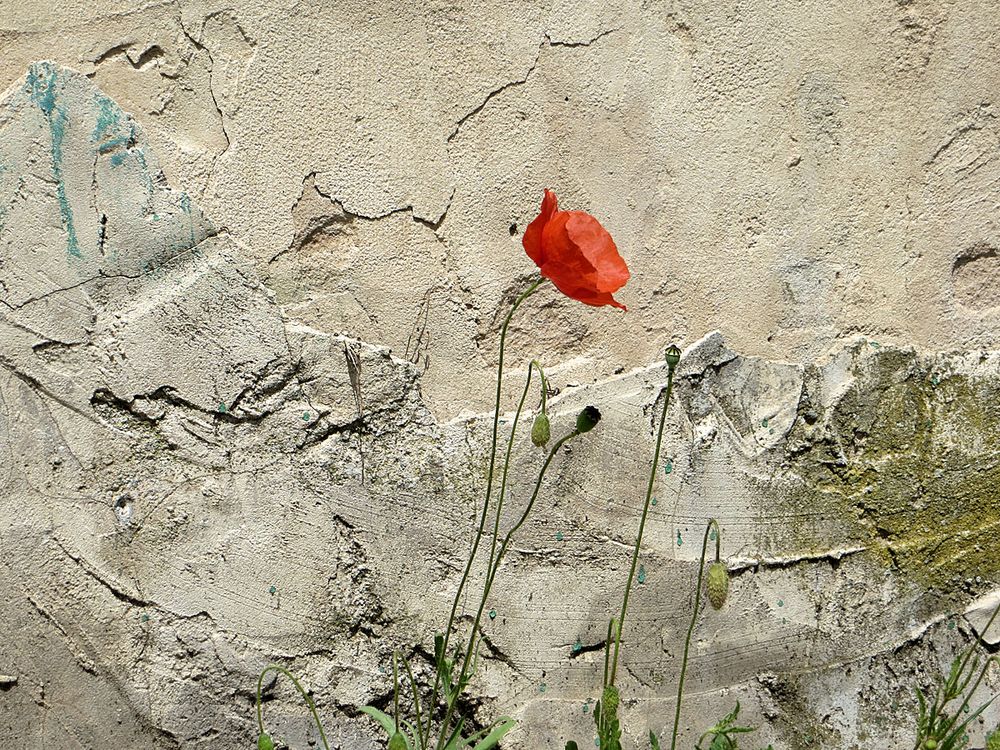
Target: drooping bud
<point>540,430</point>
<point>264,742</point>
<point>587,419</point>
<point>397,742</point>
<point>930,744</point>
<point>673,356</point>
<point>717,584</point>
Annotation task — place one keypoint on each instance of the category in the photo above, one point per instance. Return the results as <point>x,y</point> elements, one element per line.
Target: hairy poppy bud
<point>587,419</point>
<point>609,701</point>
<point>717,584</point>
<point>540,430</point>
<point>264,742</point>
<point>930,744</point>
<point>397,742</point>
<point>673,356</point>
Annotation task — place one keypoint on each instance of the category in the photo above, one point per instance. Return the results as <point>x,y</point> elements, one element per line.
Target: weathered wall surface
<point>247,337</point>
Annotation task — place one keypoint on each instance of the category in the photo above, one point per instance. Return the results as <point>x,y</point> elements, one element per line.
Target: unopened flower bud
<point>540,430</point>
<point>717,584</point>
<point>930,744</point>
<point>587,419</point>
<point>264,742</point>
<point>673,356</point>
<point>397,742</point>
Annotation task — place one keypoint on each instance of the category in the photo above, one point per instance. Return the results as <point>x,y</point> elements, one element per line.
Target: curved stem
<point>302,692</point>
<point>489,490</point>
<point>489,585</point>
<point>545,383</point>
<point>694,619</point>
<point>642,523</point>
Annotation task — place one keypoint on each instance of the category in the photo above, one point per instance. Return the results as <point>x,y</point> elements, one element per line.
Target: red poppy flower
<point>576,253</point>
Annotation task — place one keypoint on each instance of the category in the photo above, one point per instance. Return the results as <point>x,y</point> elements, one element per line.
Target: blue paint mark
<point>42,81</point>
<point>108,119</point>
<point>121,140</point>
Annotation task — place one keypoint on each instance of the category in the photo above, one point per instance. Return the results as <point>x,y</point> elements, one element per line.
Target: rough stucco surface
<point>247,337</point>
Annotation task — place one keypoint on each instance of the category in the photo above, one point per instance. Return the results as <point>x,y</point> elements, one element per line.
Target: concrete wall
<point>248,334</point>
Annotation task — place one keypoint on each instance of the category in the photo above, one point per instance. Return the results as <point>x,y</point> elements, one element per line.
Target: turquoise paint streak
<point>108,119</point>
<point>42,82</point>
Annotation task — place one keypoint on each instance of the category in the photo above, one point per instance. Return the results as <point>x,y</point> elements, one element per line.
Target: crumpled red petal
<point>576,253</point>
<point>532,239</point>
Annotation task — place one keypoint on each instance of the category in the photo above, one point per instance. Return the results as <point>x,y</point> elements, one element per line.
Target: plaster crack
<point>755,565</point>
<point>585,43</point>
<point>119,594</point>
<point>497,91</point>
<point>211,88</point>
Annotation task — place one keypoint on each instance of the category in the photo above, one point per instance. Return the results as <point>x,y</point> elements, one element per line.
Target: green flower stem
<point>545,384</point>
<point>302,692</point>
<point>694,619</point>
<point>395,691</point>
<point>607,649</point>
<point>972,646</point>
<point>979,678</point>
<point>489,490</point>
<point>450,710</point>
<point>642,524</point>
<point>506,466</point>
<point>416,702</point>
<point>969,693</point>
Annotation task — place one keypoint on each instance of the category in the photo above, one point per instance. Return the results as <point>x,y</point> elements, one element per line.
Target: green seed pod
<point>609,702</point>
<point>540,430</point>
<point>587,419</point>
<point>397,742</point>
<point>673,356</point>
<point>264,742</point>
<point>717,584</point>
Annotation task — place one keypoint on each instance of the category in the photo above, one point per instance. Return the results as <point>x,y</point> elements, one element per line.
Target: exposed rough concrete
<point>212,459</point>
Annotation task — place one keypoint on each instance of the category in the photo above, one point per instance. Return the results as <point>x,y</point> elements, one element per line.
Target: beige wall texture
<point>253,261</point>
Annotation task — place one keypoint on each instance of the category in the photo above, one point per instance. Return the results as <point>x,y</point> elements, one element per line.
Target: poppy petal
<point>597,246</point>
<point>576,253</point>
<point>532,239</point>
<point>560,250</point>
